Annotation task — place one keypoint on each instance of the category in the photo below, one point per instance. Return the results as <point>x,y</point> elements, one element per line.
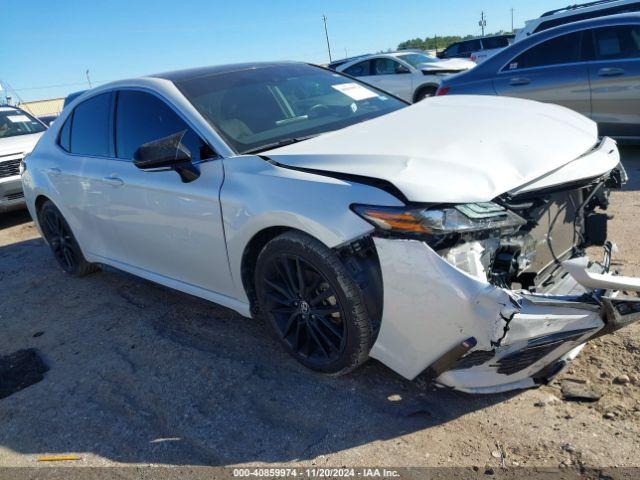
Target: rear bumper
<point>11,195</point>
<point>475,337</point>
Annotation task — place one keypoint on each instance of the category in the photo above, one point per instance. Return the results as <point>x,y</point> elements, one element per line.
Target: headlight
<point>436,224</point>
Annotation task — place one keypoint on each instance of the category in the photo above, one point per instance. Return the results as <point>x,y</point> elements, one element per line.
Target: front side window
<point>417,59</point>
<point>91,127</point>
<point>142,118</point>
<point>557,51</point>
<point>261,108</point>
<point>15,122</point>
<point>617,42</point>
<point>387,66</point>
<point>361,69</point>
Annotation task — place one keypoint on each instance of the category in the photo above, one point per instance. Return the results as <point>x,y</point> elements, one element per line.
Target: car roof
<point>191,73</point>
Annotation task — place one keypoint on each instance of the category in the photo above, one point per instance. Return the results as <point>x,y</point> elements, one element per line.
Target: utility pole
<point>326,34</point>
<point>482,22</point>
<point>512,20</point>
<point>88,78</point>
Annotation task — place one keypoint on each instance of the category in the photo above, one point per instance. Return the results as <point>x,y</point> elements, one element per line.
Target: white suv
<point>19,133</point>
<point>574,13</point>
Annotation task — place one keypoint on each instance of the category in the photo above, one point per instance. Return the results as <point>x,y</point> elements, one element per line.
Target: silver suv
<point>592,67</point>
<point>19,133</point>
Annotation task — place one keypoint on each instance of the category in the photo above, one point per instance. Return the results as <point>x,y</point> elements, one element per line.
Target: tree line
<point>438,42</point>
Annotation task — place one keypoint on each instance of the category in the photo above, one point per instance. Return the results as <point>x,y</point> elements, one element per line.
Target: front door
<point>163,226</point>
<point>553,71</point>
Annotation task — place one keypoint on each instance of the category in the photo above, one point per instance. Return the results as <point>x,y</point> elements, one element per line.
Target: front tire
<point>312,304</point>
<point>63,244</point>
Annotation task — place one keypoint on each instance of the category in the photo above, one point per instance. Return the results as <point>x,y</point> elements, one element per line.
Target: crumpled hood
<point>453,148</point>
<point>448,64</point>
<point>19,144</point>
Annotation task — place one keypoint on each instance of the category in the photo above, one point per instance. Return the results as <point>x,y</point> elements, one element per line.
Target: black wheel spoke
<point>303,308</point>
<point>330,327</point>
<point>283,291</point>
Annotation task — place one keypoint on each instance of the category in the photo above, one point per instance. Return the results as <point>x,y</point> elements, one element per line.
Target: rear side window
<point>557,51</point>
<point>64,140</point>
<point>617,42</point>
<point>361,69</point>
<point>91,127</point>
<point>142,118</point>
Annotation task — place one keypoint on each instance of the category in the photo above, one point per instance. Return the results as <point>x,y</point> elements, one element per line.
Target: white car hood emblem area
<point>453,149</point>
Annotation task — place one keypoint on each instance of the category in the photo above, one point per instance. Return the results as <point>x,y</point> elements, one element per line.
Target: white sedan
<point>445,238</point>
<point>409,75</point>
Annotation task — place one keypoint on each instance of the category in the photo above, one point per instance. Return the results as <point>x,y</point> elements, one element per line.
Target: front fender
<point>257,195</point>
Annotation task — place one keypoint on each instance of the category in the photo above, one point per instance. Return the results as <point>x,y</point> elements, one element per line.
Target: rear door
<point>554,71</point>
<point>78,178</point>
<point>615,80</point>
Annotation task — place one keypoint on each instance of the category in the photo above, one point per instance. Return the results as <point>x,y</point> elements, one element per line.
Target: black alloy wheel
<point>313,305</point>
<point>63,244</point>
<point>305,309</point>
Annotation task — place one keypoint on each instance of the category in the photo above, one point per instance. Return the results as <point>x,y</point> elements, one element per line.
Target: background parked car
<point>47,119</point>
<point>491,46</point>
<point>592,67</point>
<point>19,133</point>
<point>575,13</point>
<point>411,76</point>
<point>466,48</point>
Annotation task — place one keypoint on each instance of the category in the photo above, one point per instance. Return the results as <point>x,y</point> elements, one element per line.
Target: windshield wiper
<point>280,143</point>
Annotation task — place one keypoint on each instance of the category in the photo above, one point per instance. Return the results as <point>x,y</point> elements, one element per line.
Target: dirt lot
<point>139,374</point>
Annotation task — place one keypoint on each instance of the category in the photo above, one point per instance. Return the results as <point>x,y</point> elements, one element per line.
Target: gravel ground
<point>139,374</point>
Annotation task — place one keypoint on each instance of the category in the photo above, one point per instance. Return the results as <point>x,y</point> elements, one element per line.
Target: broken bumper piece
<point>472,336</point>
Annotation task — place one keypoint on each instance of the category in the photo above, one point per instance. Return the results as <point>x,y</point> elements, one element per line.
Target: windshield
<point>16,122</point>
<point>262,107</point>
<point>415,59</point>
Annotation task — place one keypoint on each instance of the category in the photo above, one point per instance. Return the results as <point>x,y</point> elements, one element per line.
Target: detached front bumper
<point>475,337</point>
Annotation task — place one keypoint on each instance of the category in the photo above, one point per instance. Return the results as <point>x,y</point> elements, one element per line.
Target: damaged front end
<point>497,296</point>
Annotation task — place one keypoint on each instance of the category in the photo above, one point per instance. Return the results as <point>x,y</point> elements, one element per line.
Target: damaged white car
<point>445,238</point>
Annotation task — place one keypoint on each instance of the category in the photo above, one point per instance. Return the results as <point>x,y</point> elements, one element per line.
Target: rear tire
<point>312,304</point>
<point>423,93</point>
<point>63,244</point>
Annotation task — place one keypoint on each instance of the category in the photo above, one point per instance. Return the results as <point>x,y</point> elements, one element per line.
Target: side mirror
<point>402,69</point>
<point>167,153</point>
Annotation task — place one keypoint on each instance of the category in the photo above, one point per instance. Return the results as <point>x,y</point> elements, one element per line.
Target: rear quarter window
<point>91,127</point>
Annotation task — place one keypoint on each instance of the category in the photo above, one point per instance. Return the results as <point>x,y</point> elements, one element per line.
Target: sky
<point>47,46</point>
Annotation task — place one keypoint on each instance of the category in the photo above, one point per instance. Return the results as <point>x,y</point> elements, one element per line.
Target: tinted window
<point>91,127</point>
<point>361,69</point>
<point>557,51</point>
<point>469,46</point>
<point>617,42</point>
<point>65,134</point>
<point>587,15</point>
<point>142,118</point>
<point>451,50</point>
<point>495,42</point>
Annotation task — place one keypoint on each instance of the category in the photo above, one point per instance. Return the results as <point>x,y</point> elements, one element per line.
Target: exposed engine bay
<point>558,224</point>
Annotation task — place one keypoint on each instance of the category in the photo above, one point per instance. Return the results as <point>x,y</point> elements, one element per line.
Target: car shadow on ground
<point>142,374</point>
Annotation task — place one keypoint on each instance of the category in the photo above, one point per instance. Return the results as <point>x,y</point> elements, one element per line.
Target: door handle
<point>519,81</point>
<point>54,171</point>
<point>113,181</point>
<point>610,72</point>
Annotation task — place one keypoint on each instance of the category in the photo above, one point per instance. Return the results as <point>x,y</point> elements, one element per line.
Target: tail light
<point>442,91</point>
